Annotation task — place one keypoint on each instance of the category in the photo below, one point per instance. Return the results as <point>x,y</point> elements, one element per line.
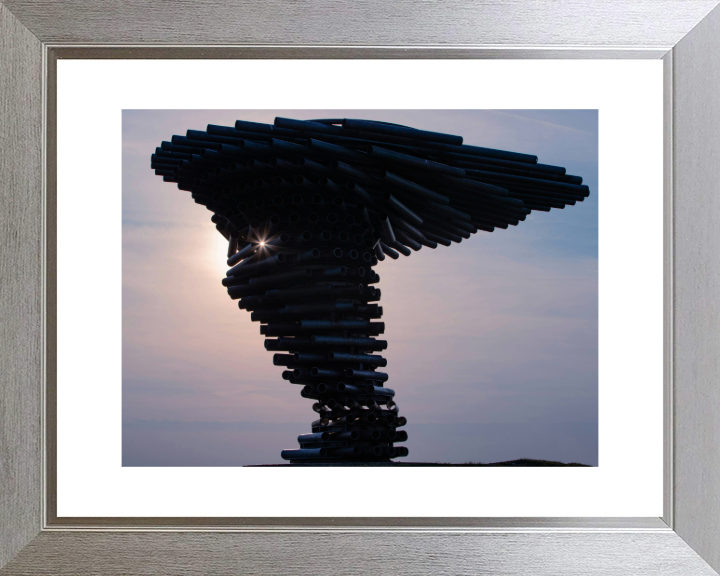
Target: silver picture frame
<point>685,34</point>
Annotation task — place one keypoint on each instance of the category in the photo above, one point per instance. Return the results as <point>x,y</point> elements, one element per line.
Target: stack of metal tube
<point>308,209</point>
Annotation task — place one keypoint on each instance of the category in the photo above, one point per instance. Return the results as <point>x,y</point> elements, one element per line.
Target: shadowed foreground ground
<point>523,462</point>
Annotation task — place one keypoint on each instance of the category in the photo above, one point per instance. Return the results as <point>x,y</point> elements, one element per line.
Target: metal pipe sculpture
<point>308,209</point>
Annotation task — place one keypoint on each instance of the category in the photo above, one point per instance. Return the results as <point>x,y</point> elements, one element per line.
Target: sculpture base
<point>314,294</point>
<point>329,462</point>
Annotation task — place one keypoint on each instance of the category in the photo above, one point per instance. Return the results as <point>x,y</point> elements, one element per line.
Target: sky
<point>492,343</point>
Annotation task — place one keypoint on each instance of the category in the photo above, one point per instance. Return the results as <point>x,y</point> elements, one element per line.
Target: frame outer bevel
<point>460,23</point>
<point>21,339</point>
<point>696,226</point>
<point>693,508</point>
<point>403,554</point>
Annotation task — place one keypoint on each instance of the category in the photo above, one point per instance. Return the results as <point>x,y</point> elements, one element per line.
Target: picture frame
<point>684,34</point>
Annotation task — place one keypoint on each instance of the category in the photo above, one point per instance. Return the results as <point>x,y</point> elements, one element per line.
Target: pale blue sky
<point>493,343</point>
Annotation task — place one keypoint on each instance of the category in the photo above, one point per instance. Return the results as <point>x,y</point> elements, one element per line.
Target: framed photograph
<point>86,459</point>
<point>484,347</point>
